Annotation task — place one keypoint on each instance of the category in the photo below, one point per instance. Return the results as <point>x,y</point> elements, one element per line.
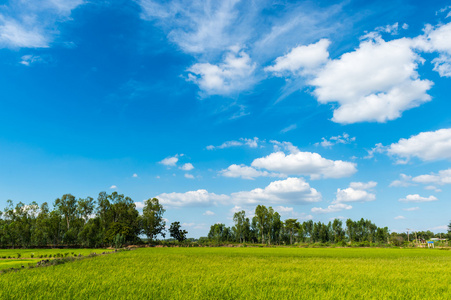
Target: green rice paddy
<point>10,258</point>
<point>240,273</point>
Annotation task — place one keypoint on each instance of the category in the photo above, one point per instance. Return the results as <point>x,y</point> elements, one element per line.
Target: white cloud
<point>246,172</point>
<point>378,148</point>
<point>208,213</point>
<point>139,205</point>
<point>192,198</point>
<point>209,29</point>
<point>331,208</point>
<point>187,167</point>
<point>363,185</point>
<point>392,88</point>
<point>189,176</point>
<point>29,24</point>
<point>356,192</point>
<point>399,218</point>
<point>391,29</point>
<point>233,75</point>
<point>284,209</point>
<point>302,59</point>
<point>404,181</point>
<point>430,145</point>
<point>29,59</point>
<point>415,198</point>
<point>170,161</point>
<point>354,195</point>
<point>113,187</point>
<point>289,128</point>
<point>339,139</point>
<point>290,190</point>
<point>135,175</point>
<point>286,146</point>
<point>438,39</point>
<point>252,143</point>
<point>196,26</point>
<point>442,177</point>
<point>411,208</point>
<point>305,163</point>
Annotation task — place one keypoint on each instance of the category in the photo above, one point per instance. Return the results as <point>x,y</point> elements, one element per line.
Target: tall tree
<point>67,205</point>
<point>261,221</point>
<point>176,232</point>
<point>240,222</point>
<point>85,208</point>
<point>152,218</point>
<point>291,225</point>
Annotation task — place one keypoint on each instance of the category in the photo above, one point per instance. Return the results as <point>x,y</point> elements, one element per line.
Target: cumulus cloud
<point>302,59</point>
<point>305,163</point>
<point>284,146</point>
<point>427,146</point>
<point>415,198</point>
<point>251,143</point>
<point>400,218</point>
<point>113,187</point>
<point>135,175</point>
<point>438,39</point>
<point>170,161</point>
<point>339,139</point>
<point>356,192</point>
<point>442,177</point>
<point>28,24</point>
<point>208,30</point>
<point>363,185</point>
<point>392,88</point>
<point>192,198</point>
<point>391,29</point>
<point>208,213</point>
<point>187,167</point>
<point>189,176</point>
<point>246,172</point>
<point>404,181</point>
<point>290,190</point>
<point>354,195</point>
<point>234,74</point>
<point>331,208</point>
<point>139,205</point>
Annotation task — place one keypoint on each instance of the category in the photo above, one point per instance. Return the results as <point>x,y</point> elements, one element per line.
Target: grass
<point>26,253</point>
<point>241,273</point>
<point>9,258</point>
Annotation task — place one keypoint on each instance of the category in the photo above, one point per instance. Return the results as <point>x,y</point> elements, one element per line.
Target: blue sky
<point>321,109</point>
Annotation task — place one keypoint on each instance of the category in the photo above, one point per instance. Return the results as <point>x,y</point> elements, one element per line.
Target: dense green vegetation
<point>241,273</point>
<point>16,258</point>
<point>113,220</point>
<point>266,227</point>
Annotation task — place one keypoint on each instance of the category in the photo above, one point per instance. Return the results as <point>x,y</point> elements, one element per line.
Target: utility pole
<point>408,234</point>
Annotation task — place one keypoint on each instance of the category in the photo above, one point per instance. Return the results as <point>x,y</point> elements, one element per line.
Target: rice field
<point>16,258</point>
<point>241,273</point>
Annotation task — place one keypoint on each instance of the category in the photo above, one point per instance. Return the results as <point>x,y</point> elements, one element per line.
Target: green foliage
<point>176,232</point>
<point>153,223</point>
<point>240,273</point>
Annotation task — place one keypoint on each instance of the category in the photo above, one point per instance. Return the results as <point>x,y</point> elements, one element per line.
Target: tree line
<point>266,227</point>
<point>113,220</point>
